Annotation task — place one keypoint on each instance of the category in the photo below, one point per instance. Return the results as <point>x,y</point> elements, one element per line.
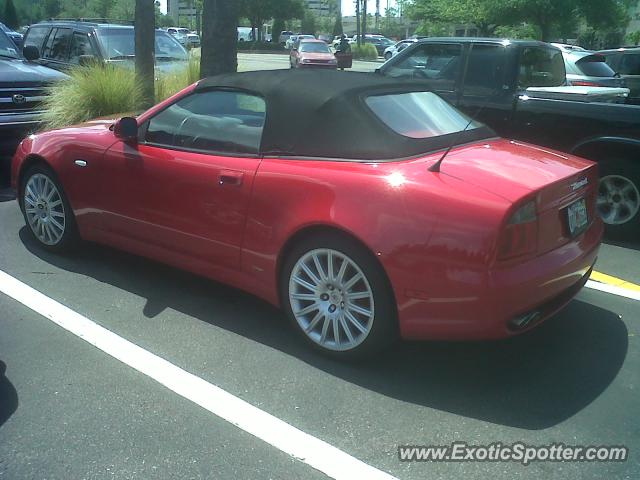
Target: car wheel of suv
<point>46,210</point>
<point>387,56</point>
<point>338,297</point>
<point>619,197</point>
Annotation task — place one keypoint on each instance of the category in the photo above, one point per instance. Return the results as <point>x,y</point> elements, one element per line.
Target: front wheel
<point>46,210</point>
<point>338,297</point>
<point>387,56</point>
<point>619,198</point>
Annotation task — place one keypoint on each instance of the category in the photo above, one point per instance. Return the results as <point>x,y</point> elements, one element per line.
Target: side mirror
<point>31,53</point>
<point>126,128</point>
<point>86,60</point>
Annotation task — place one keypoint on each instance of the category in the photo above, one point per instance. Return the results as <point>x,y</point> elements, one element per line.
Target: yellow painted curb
<point>617,282</point>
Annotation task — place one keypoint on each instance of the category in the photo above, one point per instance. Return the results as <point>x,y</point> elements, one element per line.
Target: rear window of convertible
<point>419,114</point>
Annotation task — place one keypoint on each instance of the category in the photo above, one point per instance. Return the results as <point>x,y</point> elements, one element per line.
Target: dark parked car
<point>14,36</point>
<point>626,62</point>
<point>497,80</point>
<point>22,88</point>
<point>63,44</point>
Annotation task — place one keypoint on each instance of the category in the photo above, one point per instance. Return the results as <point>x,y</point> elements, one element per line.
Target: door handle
<point>230,178</point>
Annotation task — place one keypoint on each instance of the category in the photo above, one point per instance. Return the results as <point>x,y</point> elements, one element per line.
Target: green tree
<point>308,24</point>
<point>10,15</point>
<point>123,10</point>
<point>552,18</point>
<point>337,26</point>
<point>99,8</point>
<point>486,15</point>
<point>259,11</point>
<point>634,37</point>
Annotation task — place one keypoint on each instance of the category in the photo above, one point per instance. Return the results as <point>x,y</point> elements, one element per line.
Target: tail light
<point>585,83</point>
<point>520,234</point>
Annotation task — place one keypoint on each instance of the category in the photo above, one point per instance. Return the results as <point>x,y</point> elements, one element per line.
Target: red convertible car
<point>380,211</point>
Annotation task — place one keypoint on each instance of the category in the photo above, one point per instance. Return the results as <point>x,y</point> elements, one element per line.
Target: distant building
<point>183,12</point>
<point>323,8</point>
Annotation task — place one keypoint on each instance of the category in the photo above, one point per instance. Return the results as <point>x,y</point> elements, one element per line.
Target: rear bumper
<point>540,287</point>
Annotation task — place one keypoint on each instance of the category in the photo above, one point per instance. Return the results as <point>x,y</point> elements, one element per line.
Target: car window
<point>212,121</point>
<point>594,66</point>
<point>541,67</point>
<point>119,44</point>
<point>80,45</point>
<point>485,70</point>
<point>630,64</point>
<point>7,47</point>
<point>439,63</point>
<point>35,37</point>
<point>419,114</point>
<point>57,47</point>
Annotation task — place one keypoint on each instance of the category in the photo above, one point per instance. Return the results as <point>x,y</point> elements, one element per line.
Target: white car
<point>179,34</point>
<point>245,34</point>
<point>193,40</point>
<point>293,39</point>
<point>398,47</point>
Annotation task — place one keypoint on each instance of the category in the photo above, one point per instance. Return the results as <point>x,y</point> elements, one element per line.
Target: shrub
<point>90,92</point>
<point>366,51</point>
<point>270,46</point>
<point>101,89</point>
<point>168,84</point>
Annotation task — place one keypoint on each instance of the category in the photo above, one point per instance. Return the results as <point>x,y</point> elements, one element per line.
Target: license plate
<point>577,217</point>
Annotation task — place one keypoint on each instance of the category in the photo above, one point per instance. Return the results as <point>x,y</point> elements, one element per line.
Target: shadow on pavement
<point>7,194</point>
<point>533,381</point>
<point>8,396</point>
<point>624,244</point>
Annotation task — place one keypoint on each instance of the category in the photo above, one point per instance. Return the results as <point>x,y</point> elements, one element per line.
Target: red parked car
<point>312,53</point>
<point>379,211</point>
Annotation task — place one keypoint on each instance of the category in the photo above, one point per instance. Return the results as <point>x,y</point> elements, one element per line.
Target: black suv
<point>626,62</point>
<point>65,43</point>
<point>23,86</point>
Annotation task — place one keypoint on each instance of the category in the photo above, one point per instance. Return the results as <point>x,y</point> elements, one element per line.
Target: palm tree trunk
<point>219,37</point>
<point>145,49</point>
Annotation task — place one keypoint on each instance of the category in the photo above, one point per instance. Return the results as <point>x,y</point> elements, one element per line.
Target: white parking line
<point>612,289</point>
<point>314,452</point>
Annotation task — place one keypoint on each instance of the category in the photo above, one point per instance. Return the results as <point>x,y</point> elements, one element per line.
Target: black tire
<point>621,171</point>
<point>70,237</point>
<point>387,56</point>
<point>384,324</point>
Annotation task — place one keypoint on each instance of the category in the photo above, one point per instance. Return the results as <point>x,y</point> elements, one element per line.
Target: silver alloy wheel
<point>45,209</point>
<point>331,299</point>
<point>618,199</point>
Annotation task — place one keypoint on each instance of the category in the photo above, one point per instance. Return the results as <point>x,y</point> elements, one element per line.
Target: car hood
<point>512,169</point>
<point>21,72</point>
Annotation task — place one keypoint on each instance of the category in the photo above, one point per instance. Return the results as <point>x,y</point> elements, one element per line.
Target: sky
<point>348,7</point>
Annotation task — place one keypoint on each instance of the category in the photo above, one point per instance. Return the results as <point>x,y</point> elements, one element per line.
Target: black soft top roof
<point>321,113</point>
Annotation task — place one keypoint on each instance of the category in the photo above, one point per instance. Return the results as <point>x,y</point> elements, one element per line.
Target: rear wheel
<point>338,298</point>
<point>619,197</point>
<point>46,210</point>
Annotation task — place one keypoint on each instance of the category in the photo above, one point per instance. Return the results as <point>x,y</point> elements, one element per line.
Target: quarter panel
<point>433,234</point>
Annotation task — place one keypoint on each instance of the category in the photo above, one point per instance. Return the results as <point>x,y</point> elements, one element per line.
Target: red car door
<point>184,189</point>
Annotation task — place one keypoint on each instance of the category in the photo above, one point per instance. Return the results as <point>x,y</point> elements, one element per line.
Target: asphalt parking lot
<point>70,410</point>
